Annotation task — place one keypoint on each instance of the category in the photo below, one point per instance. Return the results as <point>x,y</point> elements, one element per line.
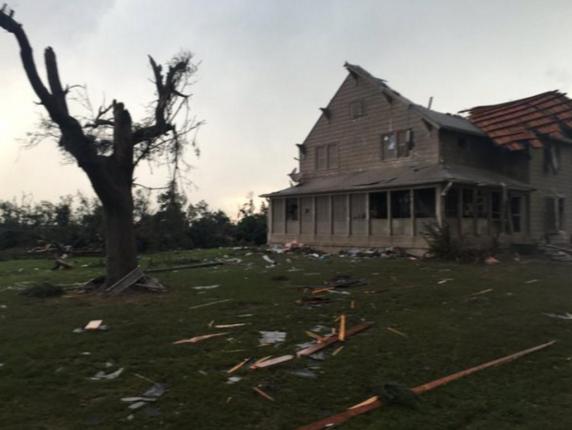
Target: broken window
<point>468,203</point>
<point>357,109</point>
<point>424,201</point>
<point>292,209</point>
<point>452,203</point>
<point>378,205</point>
<point>400,204</point>
<point>551,158</point>
<point>516,213</point>
<point>396,144</point>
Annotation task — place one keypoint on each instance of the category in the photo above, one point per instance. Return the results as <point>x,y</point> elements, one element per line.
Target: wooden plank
<point>374,402</point>
<point>330,340</point>
<point>272,362</point>
<point>125,282</point>
<point>186,267</point>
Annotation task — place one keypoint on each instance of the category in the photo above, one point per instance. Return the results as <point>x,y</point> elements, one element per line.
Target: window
<point>496,205</point>
<point>452,203</point>
<point>561,214</point>
<point>400,204</point>
<point>424,201</point>
<point>327,157</point>
<point>551,158</point>
<point>481,204</point>
<point>332,156</point>
<point>378,205</point>
<point>291,209</point>
<point>396,144</point>
<point>357,109</point>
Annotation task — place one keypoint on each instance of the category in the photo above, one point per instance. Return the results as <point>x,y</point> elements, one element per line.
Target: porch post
<point>348,215</point>
<point>460,211</point>
<point>269,219</point>
<point>285,211</point>
<point>314,217</point>
<point>439,205</point>
<point>367,220</point>
<point>412,212</point>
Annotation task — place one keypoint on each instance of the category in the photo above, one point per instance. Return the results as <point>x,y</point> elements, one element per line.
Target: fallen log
<point>374,402</point>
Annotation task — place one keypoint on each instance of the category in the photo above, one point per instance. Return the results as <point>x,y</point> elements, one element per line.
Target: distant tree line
<point>171,223</point>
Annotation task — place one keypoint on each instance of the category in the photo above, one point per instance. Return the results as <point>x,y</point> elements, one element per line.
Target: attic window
<point>327,157</point>
<point>357,109</point>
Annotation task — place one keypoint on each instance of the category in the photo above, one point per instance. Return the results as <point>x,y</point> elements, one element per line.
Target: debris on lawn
<point>190,266</point>
<point>198,339</point>
<point>332,339</point>
<point>444,281</point>
<point>269,260</point>
<point>342,330</point>
<point>344,281</point>
<point>478,293</point>
<point>531,281</point>
<point>565,316</point>
<point>62,264</point>
<point>94,325</point>
<point>313,301</point>
<point>303,373</point>
<point>238,366</point>
<point>491,260</point>
<point>206,287</point>
<point>152,394</point>
<point>271,362</point>
<point>233,380</point>
<point>210,304</point>
<point>337,350</point>
<point>395,331</point>
<point>101,375</point>
<point>263,394</point>
<point>375,402</point>
<point>271,337</point>
<point>229,325</point>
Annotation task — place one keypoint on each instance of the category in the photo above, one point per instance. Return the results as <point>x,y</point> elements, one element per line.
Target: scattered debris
<point>313,301</point>
<point>566,316</point>
<point>491,260</point>
<point>330,340</point>
<point>197,339</point>
<point>342,330</point>
<point>233,380</point>
<point>238,366</point>
<point>531,281</point>
<point>395,331</point>
<point>375,402</point>
<point>101,375</point>
<point>303,373</point>
<point>230,325</point>
<point>271,362</point>
<point>478,293</point>
<point>269,260</point>
<point>337,350</point>
<point>444,281</point>
<point>206,287</point>
<point>272,337</point>
<point>210,304</point>
<point>152,394</point>
<point>94,325</point>
<point>263,394</point>
<point>344,281</point>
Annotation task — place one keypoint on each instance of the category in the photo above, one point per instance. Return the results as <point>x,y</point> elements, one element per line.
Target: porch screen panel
<point>307,214</point>
<point>357,202</point>
<point>340,211</point>
<point>277,216</point>
<point>322,215</point>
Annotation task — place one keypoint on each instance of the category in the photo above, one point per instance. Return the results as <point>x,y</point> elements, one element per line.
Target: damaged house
<point>376,168</point>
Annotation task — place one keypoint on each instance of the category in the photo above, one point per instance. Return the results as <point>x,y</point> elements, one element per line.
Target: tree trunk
<point>120,247</point>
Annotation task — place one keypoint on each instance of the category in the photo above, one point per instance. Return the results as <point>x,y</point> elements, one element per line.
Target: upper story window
<point>551,158</point>
<point>396,144</point>
<point>357,109</point>
<point>327,157</point>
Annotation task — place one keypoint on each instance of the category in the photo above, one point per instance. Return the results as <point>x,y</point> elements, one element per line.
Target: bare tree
<point>109,145</point>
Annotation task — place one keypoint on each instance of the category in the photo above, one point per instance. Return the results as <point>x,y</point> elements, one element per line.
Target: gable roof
<point>520,123</point>
<point>437,119</point>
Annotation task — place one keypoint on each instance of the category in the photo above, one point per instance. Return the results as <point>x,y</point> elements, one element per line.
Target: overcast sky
<point>266,68</point>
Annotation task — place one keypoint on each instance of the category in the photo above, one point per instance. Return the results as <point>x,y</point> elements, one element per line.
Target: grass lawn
<point>46,368</point>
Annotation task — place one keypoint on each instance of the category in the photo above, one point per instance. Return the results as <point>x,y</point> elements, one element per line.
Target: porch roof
<point>394,177</point>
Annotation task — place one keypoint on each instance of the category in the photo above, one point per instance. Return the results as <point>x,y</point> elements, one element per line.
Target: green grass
<point>44,379</point>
